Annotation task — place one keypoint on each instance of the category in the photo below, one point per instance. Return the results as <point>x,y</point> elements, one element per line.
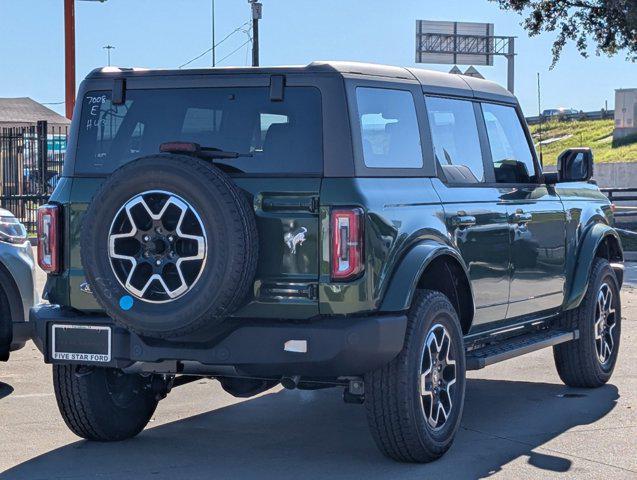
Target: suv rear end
<point>291,127</point>
<point>234,113</point>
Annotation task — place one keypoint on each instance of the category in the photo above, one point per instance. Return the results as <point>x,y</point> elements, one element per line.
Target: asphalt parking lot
<point>519,422</point>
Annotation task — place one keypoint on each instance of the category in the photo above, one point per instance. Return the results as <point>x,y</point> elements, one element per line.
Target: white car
<point>17,288</point>
<point>556,112</point>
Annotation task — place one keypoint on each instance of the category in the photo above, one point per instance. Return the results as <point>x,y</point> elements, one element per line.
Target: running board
<point>516,346</point>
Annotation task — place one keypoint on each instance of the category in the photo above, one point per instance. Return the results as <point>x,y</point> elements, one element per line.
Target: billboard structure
<point>464,43</point>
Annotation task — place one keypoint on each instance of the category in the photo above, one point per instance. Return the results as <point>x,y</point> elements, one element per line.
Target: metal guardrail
<point>626,227</point>
<point>610,193</point>
<point>565,117</point>
<point>627,194</point>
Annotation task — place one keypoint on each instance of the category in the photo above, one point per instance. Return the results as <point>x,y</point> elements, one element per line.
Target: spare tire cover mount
<point>169,245</point>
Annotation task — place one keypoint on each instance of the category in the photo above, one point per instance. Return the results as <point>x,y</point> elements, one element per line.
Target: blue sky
<point>167,33</point>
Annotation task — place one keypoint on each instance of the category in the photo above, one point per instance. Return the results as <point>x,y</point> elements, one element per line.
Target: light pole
<point>108,49</point>
<point>69,54</point>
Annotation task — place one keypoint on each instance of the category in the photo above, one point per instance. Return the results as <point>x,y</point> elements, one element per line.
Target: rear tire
<point>399,397</point>
<point>103,404</point>
<point>586,362</point>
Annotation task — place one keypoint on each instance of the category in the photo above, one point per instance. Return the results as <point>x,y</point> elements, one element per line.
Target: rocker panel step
<point>514,347</point>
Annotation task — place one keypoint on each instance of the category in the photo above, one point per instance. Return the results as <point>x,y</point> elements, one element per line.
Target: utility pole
<point>108,49</point>
<point>539,96</point>
<point>69,56</point>
<point>214,59</point>
<point>257,13</point>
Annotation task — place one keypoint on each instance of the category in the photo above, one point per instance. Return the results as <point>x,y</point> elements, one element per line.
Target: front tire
<point>589,361</point>
<point>103,404</point>
<point>414,404</point>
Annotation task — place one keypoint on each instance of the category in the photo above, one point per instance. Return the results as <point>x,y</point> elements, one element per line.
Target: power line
<point>239,28</point>
<point>52,103</point>
<point>236,50</point>
<point>247,44</point>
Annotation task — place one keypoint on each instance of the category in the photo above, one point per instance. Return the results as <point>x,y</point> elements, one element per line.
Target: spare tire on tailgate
<point>169,245</point>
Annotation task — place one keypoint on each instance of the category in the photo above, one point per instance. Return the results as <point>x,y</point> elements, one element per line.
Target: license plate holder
<point>81,343</point>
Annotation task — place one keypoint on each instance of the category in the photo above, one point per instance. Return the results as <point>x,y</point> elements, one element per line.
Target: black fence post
<point>42,133</point>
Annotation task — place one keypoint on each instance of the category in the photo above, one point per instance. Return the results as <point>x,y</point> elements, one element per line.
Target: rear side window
<point>278,137</point>
<point>512,157</point>
<point>389,128</point>
<point>456,142</point>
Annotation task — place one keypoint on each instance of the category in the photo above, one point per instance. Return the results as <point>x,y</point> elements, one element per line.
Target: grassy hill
<point>597,134</point>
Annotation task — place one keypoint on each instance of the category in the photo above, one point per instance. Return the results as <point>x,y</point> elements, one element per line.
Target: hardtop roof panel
<point>432,81</point>
<point>488,90</point>
<point>441,83</point>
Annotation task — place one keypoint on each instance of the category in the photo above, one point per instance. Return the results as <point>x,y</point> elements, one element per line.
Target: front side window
<point>274,137</point>
<point>267,122</point>
<point>389,128</point>
<point>455,138</point>
<point>512,157</point>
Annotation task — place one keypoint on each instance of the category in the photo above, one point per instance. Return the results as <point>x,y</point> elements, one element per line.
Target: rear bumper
<point>335,346</point>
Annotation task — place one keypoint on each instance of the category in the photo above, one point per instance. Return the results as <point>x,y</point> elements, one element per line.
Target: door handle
<point>522,218</point>
<point>463,221</point>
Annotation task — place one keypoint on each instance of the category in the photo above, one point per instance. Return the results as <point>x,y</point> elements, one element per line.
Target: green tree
<point>610,25</point>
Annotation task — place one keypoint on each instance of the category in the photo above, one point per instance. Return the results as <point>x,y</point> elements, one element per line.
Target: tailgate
<point>288,268</point>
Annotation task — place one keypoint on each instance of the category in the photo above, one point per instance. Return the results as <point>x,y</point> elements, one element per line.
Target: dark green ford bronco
<point>378,228</point>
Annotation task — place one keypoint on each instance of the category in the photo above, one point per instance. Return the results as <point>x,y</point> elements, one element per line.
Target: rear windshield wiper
<point>197,150</point>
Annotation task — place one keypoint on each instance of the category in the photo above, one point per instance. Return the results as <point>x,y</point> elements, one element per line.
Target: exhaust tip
<point>290,383</point>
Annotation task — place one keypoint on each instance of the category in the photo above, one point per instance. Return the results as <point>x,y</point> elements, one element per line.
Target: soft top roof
<point>430,80</point>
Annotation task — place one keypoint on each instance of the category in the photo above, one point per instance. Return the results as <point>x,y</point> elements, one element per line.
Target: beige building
<point>19,144</point>
<point>26,112</point>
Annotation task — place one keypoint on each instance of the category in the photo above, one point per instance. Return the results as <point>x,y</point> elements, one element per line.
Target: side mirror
<point>551,178</point>
<point>575,165</point>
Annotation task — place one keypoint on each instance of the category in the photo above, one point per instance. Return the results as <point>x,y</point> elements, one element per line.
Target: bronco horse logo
<point>294,238</point>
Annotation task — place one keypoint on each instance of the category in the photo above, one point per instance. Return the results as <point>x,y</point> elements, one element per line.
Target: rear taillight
<point>48,252</point>
<point>347,243</point>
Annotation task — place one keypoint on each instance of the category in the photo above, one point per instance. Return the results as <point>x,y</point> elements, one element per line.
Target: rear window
<point>280,137</point>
